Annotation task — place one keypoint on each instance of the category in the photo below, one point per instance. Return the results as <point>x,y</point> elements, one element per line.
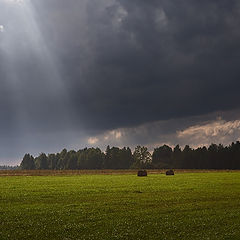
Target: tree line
<point>6,167</point>
<point>212,157</point>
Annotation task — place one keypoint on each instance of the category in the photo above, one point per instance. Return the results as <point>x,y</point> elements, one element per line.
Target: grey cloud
<point>188,66</point>
<point>93,66</point>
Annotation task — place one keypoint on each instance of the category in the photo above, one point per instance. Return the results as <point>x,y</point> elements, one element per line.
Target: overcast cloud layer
<point>118,72</point>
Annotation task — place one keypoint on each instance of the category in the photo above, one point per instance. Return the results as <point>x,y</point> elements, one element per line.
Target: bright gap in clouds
<point>218,131</point>
<point>171,133</point>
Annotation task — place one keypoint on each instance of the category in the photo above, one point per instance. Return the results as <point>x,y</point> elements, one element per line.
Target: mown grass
<point>184,206</point>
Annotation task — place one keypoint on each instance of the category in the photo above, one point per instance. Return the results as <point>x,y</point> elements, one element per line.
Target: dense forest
<point>212,157</point>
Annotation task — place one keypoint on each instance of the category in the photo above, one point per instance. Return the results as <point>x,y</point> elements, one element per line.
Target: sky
<point>92,73</point>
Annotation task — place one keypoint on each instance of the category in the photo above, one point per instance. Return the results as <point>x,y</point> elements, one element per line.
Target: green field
<point>121,206</point>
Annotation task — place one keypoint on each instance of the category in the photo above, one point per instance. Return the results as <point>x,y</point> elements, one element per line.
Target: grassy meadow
<point>200,205</point>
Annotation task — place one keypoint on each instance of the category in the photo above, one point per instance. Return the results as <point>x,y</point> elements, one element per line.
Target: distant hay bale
<point>142,173</point>
<point>170,172</point>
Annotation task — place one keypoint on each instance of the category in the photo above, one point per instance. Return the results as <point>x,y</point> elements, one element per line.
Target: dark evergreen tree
<point>162,157</point>
<point>28,162</point>
<point>187,158</point>
<point>41,162</point>
<point>52,161</point>
<point>71,160</point>
<point>176,157</point>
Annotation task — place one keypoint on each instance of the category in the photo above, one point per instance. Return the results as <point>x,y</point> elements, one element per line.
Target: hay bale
<point>142,173</point>
<point>170,172</point>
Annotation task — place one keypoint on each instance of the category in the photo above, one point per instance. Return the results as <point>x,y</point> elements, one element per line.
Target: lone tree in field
<point>142,157</point>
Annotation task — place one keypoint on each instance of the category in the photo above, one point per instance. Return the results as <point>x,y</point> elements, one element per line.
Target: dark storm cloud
<point>130,62</point>
<point>91,66</point>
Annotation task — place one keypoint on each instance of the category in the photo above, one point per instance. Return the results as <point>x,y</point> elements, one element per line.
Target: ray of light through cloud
<point>31,73</point>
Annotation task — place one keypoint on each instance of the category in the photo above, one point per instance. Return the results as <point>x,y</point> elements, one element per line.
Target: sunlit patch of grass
<point>184,206</point>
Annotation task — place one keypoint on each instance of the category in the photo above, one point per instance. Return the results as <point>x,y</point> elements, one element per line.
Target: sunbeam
<point>24,50</point>
<point>31,74</point>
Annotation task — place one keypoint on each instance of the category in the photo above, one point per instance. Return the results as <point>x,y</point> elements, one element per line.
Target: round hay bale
<point>170,172</point>
<point>142,173</point>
